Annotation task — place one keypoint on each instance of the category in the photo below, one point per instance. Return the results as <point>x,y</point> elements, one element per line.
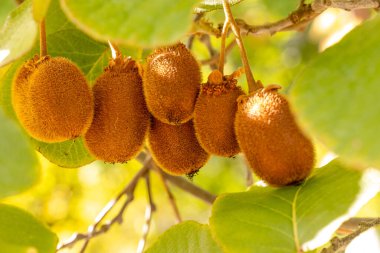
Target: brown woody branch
<point>295,20</point>
<point>340,244</point>
<point>216,56</point>
<point>170,197</point>
<point>187,186</point>
<point>101,226</point>
<point>205,39</point>
<point>95,229</point>
<point>151,207</point>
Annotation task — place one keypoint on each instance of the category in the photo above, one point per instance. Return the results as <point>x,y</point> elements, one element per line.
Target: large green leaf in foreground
<point>22,233</point>
<point>288,219</point>
<point>132,22</point>
<point>336,98</point>
<point>18,34</point>
<point>187,237</point>
<point>40,8</point>
<point>6,7</point>
<point>19,168</point>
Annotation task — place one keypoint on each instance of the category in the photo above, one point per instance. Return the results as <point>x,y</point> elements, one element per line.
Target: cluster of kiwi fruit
<point>165,103</point>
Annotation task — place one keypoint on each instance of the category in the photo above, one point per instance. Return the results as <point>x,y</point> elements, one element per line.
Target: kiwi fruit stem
<point>226,27</point>
<point>252,84</point>
<point>43,45</point>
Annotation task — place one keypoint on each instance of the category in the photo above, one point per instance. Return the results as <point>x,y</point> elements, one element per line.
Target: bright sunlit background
<point>68,200</point>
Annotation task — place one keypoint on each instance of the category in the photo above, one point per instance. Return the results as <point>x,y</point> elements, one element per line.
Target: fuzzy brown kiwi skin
<point>20,95</point>
<point>214,115</point>
<point>275,147</point>
<point>172,79</point>
<point>52,99</point>
<point>175,148</point>
<point>121,121</point>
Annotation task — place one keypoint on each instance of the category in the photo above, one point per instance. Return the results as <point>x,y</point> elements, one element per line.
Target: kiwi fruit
<point>214,115</point>
<point>121,119</point>
<point>275,147</point>
<point>175,148</point>
<point>52,99</point>
<point>172,80</point>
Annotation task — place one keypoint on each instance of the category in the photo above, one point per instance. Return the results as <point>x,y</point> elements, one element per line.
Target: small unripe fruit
<point>52,99</point>
<point>175,148</point>
<point>214,115</point>
<point>276,149</point>
<point>121,119</point>
<point>171,84</point>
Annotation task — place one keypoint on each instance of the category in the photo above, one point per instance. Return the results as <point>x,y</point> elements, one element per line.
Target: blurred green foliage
<point>68,200</point>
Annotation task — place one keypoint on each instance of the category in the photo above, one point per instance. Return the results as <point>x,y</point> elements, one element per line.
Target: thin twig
<point>43,45</point>
<point>340,244</point>
<point>214,59</point>
<point>352,225</point>
<point>205,39</point>
<point>249,178</point>
<point>187,186</point>
<point>170,197</point>
<point>303,15</point>
<point>252,84</point>
<point>296,20</point>
<point>206,27</point>
<point>190,41</point>
<point>191,38</point>
<point>151,207</point>
<point>94,230</point>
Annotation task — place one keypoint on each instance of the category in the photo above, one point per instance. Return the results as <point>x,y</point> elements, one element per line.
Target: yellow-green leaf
<point>186,237</point>
<point>132,22</point>
<point>19,167</point>
<point>336,97</point>
<point>18,34</point>
<point>40,8</point>
<point>288,219</point>
<point>20,232</point>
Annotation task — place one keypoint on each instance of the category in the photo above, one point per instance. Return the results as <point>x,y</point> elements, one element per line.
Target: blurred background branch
<point>340,244</point>
<point>296,20</point>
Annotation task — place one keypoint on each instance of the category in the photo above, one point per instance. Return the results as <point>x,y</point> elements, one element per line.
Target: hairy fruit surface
<point>214,115</point>
<point>176,148</point>
<point>52,99</point>
<point>275,147</point>
<point>121,119</point>
<point>171,84</point>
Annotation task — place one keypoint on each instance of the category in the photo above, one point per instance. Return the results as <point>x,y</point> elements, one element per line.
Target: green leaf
<point>6,7</point>
<point>5,89</point>
<point>18,34</point>
<point>211,5</point>
<point>133,22</point>
<point>67,154</point>
<point>188,236</point>
<point>336,97</point>
<point>21,232</point>
<point>19,168</point>
<point>290,218</point>
<point>40,7</point>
